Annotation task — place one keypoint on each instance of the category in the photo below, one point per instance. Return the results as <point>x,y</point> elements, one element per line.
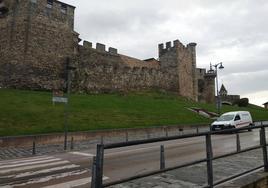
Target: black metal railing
<point>97,168</point>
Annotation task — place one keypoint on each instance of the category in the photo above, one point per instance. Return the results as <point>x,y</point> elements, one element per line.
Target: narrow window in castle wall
<point>49,3</point>
<point>63,8</point>
<point>3,9</point>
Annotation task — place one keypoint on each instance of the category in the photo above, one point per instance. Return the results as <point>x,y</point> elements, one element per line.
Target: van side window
<point>237,117</point>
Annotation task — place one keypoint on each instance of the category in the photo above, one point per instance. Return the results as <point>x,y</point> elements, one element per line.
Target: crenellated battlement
<point>100,47</point>
<point>169,46</point>
<point>162,49</point>
<point>200,72</point>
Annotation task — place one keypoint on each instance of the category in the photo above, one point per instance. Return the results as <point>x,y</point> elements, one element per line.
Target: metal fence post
<point>181,130</point>
<point>93,173</point>
<point>260,134</point>
<point>102,140</point>
<point>99,166</point>
<point>72,143</point>
<point>238,145</point>
<point>166,130</point>
<point>209,160</point>
<point>126,136</point>
<point>197,129</point>
<point>264,147</point>
<point>148,134</point>
<point>34,148</point>
<point>162,157</point>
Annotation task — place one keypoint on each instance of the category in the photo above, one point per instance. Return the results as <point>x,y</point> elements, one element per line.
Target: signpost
<point>58,96</point>
<point>59,100</point>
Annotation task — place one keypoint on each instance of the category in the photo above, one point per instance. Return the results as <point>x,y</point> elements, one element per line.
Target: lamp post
<point>217,83</point>
<point>68,69</point>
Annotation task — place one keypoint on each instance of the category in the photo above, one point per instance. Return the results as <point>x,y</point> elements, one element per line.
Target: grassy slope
<point>27,112</point>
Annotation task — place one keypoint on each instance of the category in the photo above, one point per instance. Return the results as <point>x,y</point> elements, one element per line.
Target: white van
<point>236,119</point>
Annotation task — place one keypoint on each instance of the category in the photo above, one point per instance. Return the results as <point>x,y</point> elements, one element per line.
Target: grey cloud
<point>234,32</point>
<point>242,83</point>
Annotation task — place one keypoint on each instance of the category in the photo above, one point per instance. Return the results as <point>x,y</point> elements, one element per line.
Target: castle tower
<point>192,49</point>
<point>209,90</point>
<point>36,37</point>
<point>180,61</point>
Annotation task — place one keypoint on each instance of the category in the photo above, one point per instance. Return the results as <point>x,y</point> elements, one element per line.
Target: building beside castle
<point>226,98</point>
<point>38,35</point>
<point>265,105</point>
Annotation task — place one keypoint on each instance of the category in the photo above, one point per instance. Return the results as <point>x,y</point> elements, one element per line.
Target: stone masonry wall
<point>37,41</point>
<point>186,72</point>
<point>209,90</point>
<point>206,85</point>
<point>101,71</point>
<point>180,61</point>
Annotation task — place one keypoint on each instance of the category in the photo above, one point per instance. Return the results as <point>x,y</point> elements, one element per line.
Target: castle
<point>38,35</point>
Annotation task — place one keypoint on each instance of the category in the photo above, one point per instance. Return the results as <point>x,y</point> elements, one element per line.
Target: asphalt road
<point>73,169</point>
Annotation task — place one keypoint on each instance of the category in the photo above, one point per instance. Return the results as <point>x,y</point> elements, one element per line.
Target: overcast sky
<point>232,32</point>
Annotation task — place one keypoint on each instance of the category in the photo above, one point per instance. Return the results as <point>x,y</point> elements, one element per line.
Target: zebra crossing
<point>43,172</point>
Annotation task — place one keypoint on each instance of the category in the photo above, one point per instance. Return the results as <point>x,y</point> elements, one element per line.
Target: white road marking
<point>33,167</point>
<point>16,161</point>
<point>83,154</point>
<point>70,184</point>
<point>47,178</point>
<point>29,163</point>
<point>74,183</point>
<point>31,173</point>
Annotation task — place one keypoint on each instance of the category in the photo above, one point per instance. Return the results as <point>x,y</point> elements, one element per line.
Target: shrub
<point>242,102</point>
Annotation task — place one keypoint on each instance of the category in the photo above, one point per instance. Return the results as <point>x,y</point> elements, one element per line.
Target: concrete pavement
<point>195,176</point>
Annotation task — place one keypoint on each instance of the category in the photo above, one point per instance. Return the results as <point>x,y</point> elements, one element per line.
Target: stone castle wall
<point>37,37</point>
<point>206,85</point>
<point>229,98</point>
<point>105,71</point>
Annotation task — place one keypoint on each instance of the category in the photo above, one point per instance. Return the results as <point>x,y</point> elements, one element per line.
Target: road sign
<point>58,96</point>
<point>60,99</point>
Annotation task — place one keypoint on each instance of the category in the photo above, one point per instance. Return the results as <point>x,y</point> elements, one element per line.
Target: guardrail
<point>97,167</point>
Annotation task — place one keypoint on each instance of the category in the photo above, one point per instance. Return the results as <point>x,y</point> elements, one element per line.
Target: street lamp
<point>217,83</point>
<point>68,69</point>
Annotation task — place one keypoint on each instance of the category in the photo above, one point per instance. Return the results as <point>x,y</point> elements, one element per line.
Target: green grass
<point>32,112</point>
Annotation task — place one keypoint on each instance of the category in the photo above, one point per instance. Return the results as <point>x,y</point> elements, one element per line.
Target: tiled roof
<point>133,62</point>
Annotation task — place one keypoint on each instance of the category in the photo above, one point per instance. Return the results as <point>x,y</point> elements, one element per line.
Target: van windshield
<point>226,118</point>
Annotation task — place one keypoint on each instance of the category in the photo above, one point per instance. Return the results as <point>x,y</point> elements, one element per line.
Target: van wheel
<point>250,125</point>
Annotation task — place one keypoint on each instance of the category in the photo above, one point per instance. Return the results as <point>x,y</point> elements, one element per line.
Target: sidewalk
<point>196,176</point>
